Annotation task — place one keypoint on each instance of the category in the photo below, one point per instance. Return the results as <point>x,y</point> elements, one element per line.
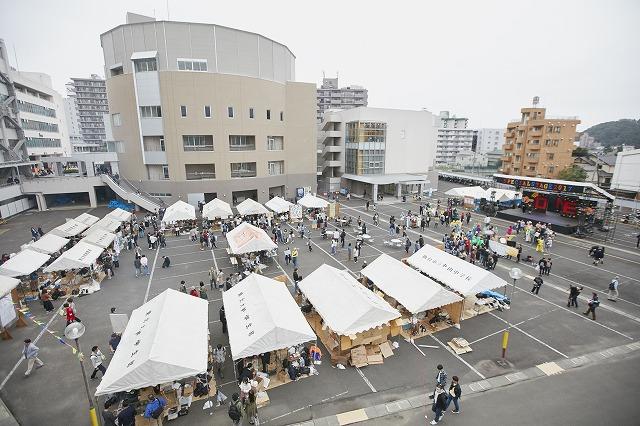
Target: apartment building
<point>453,137</point>
<point>537,145</point>
<point>489,140</point>
<point>331,96</point>
<point>90,101</point>
<point>207,111</point>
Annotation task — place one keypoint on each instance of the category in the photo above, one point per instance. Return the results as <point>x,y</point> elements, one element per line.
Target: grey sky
<point>480,59</point>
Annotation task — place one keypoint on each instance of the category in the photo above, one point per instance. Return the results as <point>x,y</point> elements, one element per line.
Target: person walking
<point>235,409</point>
<point>439,404</point>
<point>287,256</point>
<point>593,303</point>
<point>349,252</point>
<point>219,357</point>
<point>441,378</point>
<point>145,264</point>
<point>137,266</point>
<point>96,361</point>
<point>223,319</point>
<point>309,244</point>
<point>203,291</point>
<point>212,277</point>
<point>166,262</point>
<point>574,292</point>
<point>356,253</point>
<point>455,391</point>
<point>343,235</point>
<point>294,257</point>
<point>296,279</point>
<point>537,283</point>
<point>519,253</point>
<point>251,408</point>
<point>334,246</point>
<point>30,353</point>
<point>613,290</point>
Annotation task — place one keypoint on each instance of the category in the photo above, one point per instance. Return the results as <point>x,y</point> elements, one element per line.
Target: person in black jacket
<point>439,404</point>
<point>223,320</point>
<point>454,394</point>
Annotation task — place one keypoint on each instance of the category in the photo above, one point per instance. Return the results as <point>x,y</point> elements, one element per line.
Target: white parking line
<point>181,275</point>
<point>189,263</point>
<point>519,323</point>
<point>366,380</point>
<point>471,367</point>
<point>153,269</point>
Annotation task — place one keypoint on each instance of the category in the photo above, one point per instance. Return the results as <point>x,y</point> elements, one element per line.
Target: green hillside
<point>626,131</point>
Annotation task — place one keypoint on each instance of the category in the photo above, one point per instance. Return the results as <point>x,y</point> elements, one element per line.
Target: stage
<point>560,224</point>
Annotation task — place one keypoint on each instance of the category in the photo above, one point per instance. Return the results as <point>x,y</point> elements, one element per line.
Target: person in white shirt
<point>144,262</point>
<point>96,361</point>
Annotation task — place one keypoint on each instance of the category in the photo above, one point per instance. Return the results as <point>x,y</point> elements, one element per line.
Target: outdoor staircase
<point>131,194</point>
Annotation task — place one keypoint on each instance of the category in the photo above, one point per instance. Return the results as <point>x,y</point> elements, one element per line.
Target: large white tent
<point>262,317</point>
<point>82,255</point>
<point>278,205</point>
<point>310,201</point>
<point>503,194</point>
<point>70,228</point>
<point>345,305</point>
<point>216,208</point>
<point>49,243</point>
<point>107,223</point>
<point>7,284</point>
<point>179,211</point>
<point>409,287</point>
<point>100,238</point>
<point>251,206</point>
<point>120,215</point>
<point>475,192</point>
<point>23,263</point>
<point>87,219</point>
<point>246,238</point>
<point>165,340</point>
<point>458,274</point>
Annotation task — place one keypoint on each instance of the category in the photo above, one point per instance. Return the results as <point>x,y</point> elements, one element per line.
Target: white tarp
<point>475,192</point>
<point>246,238</point>
<point>49,243</point>
<point>310,201</point>
<point>107,223</point>
<point>345,305</point>
<point>87,219</point>
<point>7,284</point>
<point>216,208</point>
<point>262,317</point>
<point>70,228</point>
<point>278,205</point>
<point>165,340</point>
<point>82,255</point>
<point>24,263</point>
<point>120,215</point>
<point>179,211</point>
<point>251,206</point>
<point>100,238</point>
<point>409,287</point>
<point>456,273</point>
<point>503,194</point>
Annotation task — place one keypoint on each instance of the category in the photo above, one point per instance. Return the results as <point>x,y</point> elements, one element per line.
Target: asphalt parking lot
<point>545,330</point>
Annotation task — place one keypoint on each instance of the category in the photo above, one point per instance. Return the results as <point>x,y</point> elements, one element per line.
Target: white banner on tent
<point>7,311</point>
<point>118,322</point>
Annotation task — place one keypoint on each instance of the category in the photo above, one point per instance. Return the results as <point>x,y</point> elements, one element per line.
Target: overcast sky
<point>479,59</point>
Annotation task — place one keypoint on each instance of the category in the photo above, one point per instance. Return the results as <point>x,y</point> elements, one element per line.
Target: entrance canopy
<point>310,201</point>
<point>7,284</point>
<point>251,206</point>
<point>456,273</point>
<point>475,192</point>
<point>409,287</point>
<point>216,208</point>
<point>82,255</point>
<point>179,211</point>
<point>345,305</point>
<point>87,219</point>
<point>246,238</point>
<point>49,243</point>
<point>100,238</point>
<point>262,317</point>
<point>165,340</point>
<point>70,228</point>
<point>24,263</point>
<point>120,215</point>
<point>278,205</point>
<point>107,223</point>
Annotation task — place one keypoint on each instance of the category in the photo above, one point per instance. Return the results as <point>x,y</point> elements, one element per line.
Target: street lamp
<point>515,274</point>
<point>74,331</point>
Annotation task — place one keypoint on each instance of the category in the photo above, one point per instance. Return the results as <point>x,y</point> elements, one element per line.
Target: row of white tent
<point>477,192</point>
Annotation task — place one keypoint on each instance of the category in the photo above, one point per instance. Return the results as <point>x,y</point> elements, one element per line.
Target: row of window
<point>39,125</point>
<point>43,143</point>
<point>238,170</point>
<point>36,109</point>
<point>236,143</point>
<point>230,112</point>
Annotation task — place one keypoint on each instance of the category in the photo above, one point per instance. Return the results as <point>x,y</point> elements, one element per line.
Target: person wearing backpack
<point>537,283</point>
<point>235,409</point>
<point>593,304</point>
<point>154,407</point>
<point>613,290</point>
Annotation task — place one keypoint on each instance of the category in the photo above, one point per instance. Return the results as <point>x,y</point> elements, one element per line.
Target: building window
<point>116,71</point>
<point>550,156</point>
<point>243,170</point>
<point>200,171</point>
<point>268,114</point>
<point>551,169</point>
<point>275,168</point>
<point>192,64</point>
<point>230,112</point>
<point>116,120</point>
<point>165,171</point>
<point>147,64</point>
<point>207,111</point>
<point>162,146</point>
<point>242,143</point>
<point>275,143</point>
<point>183,111</point>
<point>251,113</point>
<point>281,116</point>
<point>151,111</point>
<point>197,143</point>
<point>43,143</point>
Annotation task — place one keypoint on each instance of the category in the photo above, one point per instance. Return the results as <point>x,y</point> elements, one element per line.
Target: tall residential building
<point>490,140</point>
<point>90,99</point>
<point>537,145</point>
<point>453,137</point>
<point>73,122</point>
<point>207,111</point>
<point>332,96</point>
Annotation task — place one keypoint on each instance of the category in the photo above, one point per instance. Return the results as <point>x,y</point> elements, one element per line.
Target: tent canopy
<point>475,192</point>
<point>70,228</point>
<point>120,215</point>
<point>346,306</point>
<point>107,223</point>
<point>87,219</point>
<point>100,238</point>
<point>165,340</point>
<point>179,211</point>
<point>49,243</point>
<point>456,273</point>
<point>246,238</point>
<point>216,208</point>
<point>278,205</point>
<point>503,194</point>
<point>262,316</point>
<point>24,263</point>
<point>7,284</point>
<point>251,206</point>
<point>310,201</point>
<point>82,255</point>
<point>409,287</point>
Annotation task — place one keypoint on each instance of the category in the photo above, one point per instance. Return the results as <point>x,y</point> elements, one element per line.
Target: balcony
<point>331,148</point>
<point>333,163</point>
<point>532,159</point>
<point>155,157</point>
<point>533,146</point>
<point>535,133</point>
<point>332,134</point>
<point>507,146</point>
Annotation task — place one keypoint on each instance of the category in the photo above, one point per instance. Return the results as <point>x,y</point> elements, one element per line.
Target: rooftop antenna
<point>536,101</point>
<point>323,74</point>
<point>15,55</point>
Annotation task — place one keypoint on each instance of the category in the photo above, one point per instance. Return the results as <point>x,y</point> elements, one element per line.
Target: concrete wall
<point>626,176</point>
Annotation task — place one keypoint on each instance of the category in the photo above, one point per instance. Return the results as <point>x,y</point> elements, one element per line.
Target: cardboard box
<point>375,359</point>
<point>359,356</point>
<point>386,350</point>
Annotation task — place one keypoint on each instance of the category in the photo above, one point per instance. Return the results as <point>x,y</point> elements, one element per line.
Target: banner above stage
<point>540,185</point>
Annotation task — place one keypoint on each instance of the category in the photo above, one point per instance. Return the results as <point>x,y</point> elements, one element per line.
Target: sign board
<point>540,186</point>
<point>7,311</point>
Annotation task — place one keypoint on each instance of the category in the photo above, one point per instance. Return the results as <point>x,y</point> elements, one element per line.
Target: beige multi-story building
<point>537,145</point>
<point>207,111</point>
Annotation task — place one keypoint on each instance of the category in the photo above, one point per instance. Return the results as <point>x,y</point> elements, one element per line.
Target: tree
<point>573,173</point>
<point>580,152</point>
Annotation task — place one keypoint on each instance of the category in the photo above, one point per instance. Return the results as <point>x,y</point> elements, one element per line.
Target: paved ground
<point>546,329</point>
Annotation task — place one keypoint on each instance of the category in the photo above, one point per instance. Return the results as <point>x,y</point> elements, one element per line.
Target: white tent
<point>120,215</point>
<point>7,284</point>
<point>70,228</point>
<point>82,255</point>
<point>246,238</point>
<point>475,192</point>
<point>278,205</point>
<point>107,223</point>
<point>87,219</point>
<point>24,263</point>
<point>310,201</point>
<point>49,243</point>
<point>503,194</point>
<point>179,211</point>
<point>262,317</point>
<point>100,238</point>
<point>216,208</point>
<point>165,340</point>
<point>251,206</point>
<point>458,274</point>
<point>409,287</point>
<point>345,305</point>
